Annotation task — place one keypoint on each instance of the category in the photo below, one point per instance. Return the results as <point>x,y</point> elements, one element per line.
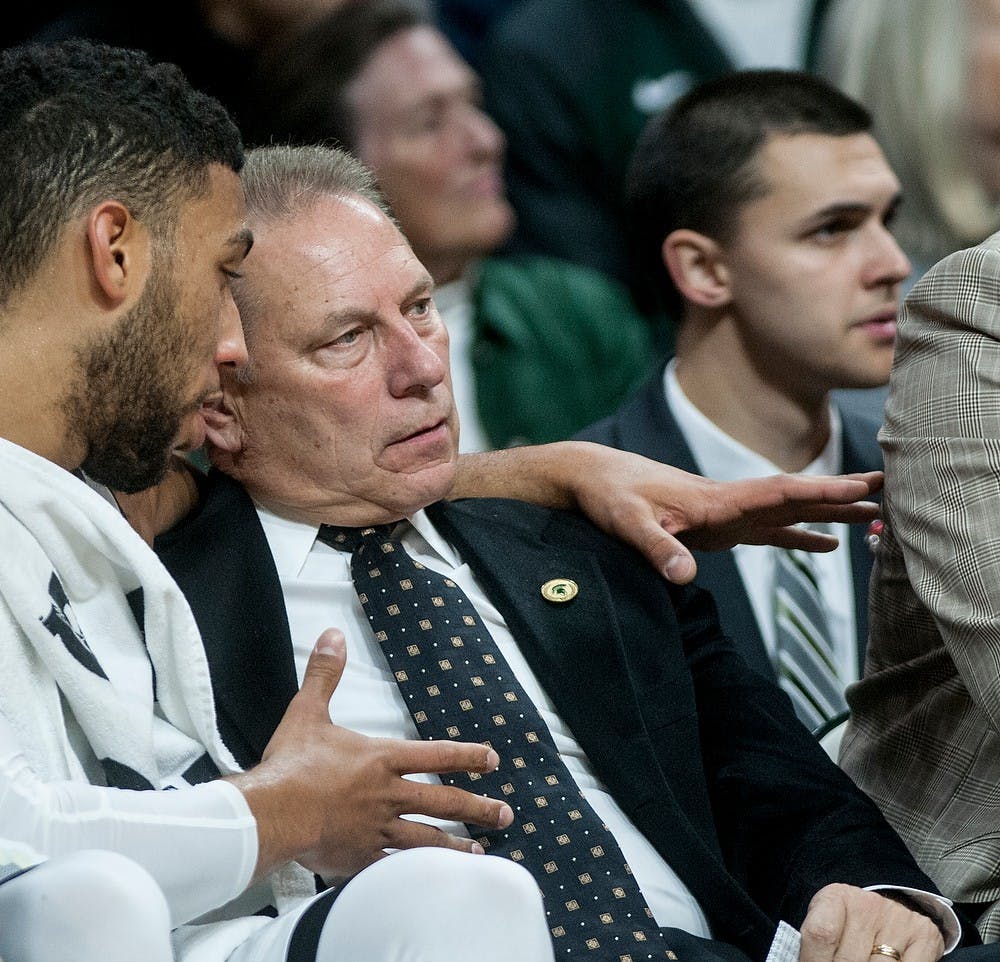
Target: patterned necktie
<point>457,684</point>
<point>806,658</point>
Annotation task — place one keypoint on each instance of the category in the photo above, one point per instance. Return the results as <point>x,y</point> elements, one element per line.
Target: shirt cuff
<point>937,907</point>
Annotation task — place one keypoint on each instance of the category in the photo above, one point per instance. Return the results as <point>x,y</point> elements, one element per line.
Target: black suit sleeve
<point>789,820</point>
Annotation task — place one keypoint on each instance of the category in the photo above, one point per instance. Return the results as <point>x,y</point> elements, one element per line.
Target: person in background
<point>928,74</point>
<point>572,83</point>
<point>761,205</point>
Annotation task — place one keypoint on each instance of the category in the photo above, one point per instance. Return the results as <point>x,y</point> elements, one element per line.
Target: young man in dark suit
<point>760,208</point>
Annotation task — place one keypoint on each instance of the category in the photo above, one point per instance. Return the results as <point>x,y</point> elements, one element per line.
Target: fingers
<point>844,923</point>
<point>664,552</point>
<point>801,538</point>
<point>412,834</point>
<point>322,674</point>
<point>437,757</point>
<point>833,489</point>
<point>456,805</point>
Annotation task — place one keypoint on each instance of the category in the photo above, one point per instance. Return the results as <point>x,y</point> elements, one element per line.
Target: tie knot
<point>349,539</point>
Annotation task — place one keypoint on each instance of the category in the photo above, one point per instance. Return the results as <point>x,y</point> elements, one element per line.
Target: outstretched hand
<point>663,511</point>
<point>333,799</point>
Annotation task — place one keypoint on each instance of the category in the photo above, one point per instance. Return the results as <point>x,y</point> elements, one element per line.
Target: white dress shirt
<point>759,33</point>
<point>319,593</point>
<point>723,458</point>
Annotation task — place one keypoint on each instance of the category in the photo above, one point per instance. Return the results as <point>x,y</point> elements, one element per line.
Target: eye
<point>347,338</point>
<point>231,274</point>
<point>833,228</point>
<point>421,308</point>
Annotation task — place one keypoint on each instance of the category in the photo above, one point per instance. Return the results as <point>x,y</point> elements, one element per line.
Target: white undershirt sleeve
<point>167,832</point>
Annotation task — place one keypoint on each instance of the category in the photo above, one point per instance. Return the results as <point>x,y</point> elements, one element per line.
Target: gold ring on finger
<point>881,948</point>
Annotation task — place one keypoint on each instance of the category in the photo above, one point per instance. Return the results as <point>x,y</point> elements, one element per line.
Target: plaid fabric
<point>924,740</point>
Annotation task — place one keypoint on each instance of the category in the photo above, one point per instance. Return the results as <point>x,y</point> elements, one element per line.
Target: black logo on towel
<point>62,623</point>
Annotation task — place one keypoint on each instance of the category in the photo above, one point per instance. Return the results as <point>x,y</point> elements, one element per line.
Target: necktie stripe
<point>805,654</point>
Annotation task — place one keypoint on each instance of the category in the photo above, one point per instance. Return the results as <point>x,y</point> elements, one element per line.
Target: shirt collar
<point>722,457</point>
<point>291,541</point>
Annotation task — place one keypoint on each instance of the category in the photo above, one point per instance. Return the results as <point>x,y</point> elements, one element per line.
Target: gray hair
<point>281,182</point>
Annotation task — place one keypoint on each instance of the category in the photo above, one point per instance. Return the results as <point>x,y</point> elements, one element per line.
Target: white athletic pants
<point>90,906</point>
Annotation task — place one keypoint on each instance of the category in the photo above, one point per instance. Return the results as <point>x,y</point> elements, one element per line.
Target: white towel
<point>72,568</point>
<point>69,565</point>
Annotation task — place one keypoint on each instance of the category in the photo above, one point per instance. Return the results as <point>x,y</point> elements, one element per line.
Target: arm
<point>661,510</point>
<point>942,450</point>
<point>199,843</point>
<point>790,822</point>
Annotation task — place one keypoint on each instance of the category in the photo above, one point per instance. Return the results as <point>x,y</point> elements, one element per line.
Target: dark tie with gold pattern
<point>457,684</point>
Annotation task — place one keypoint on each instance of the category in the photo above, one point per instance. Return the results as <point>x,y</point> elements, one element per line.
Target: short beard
<point>128,402</point>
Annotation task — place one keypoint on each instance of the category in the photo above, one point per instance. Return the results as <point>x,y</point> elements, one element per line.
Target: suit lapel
<point>861,453</point>
<point>220,559</point>
<point>646,426</point>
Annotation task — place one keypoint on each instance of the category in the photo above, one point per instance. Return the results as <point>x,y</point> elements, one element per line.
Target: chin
<point>425,487</point>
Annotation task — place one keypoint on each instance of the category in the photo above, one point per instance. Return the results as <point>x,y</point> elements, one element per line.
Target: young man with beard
<point>121,229</point>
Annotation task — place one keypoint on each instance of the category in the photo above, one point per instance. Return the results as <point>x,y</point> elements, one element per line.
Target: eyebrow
<point>350,314</point>
<point>242,238</point>
<point>856,207</point>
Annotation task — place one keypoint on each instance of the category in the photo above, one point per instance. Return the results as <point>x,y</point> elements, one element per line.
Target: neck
<point>763,405</point>
<point>33,371</point>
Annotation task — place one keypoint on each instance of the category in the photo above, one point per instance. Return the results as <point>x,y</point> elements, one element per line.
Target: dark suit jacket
<point>645,425</point>
<point>681,732</point>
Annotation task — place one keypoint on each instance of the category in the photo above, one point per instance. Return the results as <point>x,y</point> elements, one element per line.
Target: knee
<point>89,905</point>
<point>436,904</point>
<point>451,878</point>
<point>102,881</point>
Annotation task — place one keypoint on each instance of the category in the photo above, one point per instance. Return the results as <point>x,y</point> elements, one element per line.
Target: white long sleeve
<point>167,832</point>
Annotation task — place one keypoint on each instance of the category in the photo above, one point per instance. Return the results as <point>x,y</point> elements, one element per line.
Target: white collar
<point>291,541</point>
<point>722,457</point>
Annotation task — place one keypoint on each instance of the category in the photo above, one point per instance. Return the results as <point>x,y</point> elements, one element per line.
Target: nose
<point>417,363</point>
<point>888,265</point>
<point>231,348</point>
<point>483,135</point>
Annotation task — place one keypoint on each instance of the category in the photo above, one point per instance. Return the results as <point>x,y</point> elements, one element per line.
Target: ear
<point>697,266</point>
<point>223,428</point>
<point>119,251</point>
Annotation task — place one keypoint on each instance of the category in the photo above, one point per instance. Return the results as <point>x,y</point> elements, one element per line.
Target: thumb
<point>324,669</point>
<point>664,552</point>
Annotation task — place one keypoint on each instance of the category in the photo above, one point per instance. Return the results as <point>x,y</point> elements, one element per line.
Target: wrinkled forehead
<point>339,254</point>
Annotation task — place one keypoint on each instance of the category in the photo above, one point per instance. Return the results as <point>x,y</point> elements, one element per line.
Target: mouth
<point>487,184</point>
<point>431,432</point>
<point>192,435</point>
<point>880,326</point>
<point>211,401</point>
